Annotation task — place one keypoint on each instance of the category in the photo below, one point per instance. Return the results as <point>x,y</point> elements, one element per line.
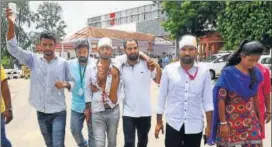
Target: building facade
<point>145,19</point>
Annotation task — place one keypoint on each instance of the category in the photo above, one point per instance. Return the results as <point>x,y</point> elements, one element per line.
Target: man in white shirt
<point>136,78</point>
<point>104,103</point>
<point>187,90</point>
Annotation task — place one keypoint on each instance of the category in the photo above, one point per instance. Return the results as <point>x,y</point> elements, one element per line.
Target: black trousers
<point>142,125</point>
<point>174,138</point>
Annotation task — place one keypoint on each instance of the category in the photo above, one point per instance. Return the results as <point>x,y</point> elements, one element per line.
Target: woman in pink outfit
<point>264,97</point>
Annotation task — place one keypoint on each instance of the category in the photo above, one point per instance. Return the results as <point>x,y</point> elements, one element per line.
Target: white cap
<point>188,40</point>
<point>104,42</point>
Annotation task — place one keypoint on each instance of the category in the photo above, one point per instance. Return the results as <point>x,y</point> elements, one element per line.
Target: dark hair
<point>48,36</point>
<point>81,44</point>
<point>246,48</point>
<point>125,42</point>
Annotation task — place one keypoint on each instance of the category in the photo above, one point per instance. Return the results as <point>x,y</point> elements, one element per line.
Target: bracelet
<point>268,112</point>
<point>223,123</point>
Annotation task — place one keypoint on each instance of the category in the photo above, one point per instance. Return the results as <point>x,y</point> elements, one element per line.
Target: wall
<point>152,27</point>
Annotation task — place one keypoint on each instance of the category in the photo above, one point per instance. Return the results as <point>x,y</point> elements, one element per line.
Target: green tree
<point>185,17</point>
<point>246,20</point>
<point>49,19</point>
<point>24,18</point>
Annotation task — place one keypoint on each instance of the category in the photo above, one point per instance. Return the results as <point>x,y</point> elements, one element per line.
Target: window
<point>266,61</point>
<point>222,59</point>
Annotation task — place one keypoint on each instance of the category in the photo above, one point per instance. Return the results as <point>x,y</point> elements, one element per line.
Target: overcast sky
<point>75,13</point>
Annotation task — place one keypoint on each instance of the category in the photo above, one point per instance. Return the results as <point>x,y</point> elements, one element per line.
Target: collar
<point>126,63</point>
<point>110,66</point>
<point>88,62</point>
<point>194,66</point>
<point>55,58</point>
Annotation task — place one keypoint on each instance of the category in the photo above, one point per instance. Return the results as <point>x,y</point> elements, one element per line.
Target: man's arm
<point>68,76</point>
<point>156,75</point>
<point>6,94</point>
<point>161,103</point>
<point>208,99</point>
<point>114,85</point>
<point>143,56</point>
<point>25,57</point>
<point>88,94</point>
<point>162,95</point>
<point>7,114</point>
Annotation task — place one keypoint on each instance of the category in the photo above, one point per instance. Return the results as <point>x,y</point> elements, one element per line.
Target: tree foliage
<point>49,19</point>
<point>192,17</point>
<point>234,20</point>
<point>245,20</point>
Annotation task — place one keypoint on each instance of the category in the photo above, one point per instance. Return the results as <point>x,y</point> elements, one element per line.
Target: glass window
<point>266,61</point>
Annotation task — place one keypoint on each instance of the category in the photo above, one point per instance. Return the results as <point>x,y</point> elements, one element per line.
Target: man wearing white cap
<point>104,103</point>
<point>187,89</point>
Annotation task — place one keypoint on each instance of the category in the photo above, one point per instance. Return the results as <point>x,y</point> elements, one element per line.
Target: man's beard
<point>133,57</point>
<point>48,52</point>
<point>105,57</point>
<point>82,59</point>
<point>187,60</point>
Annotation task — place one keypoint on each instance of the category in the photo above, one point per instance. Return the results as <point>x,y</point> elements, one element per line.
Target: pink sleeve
<point>267,84</point>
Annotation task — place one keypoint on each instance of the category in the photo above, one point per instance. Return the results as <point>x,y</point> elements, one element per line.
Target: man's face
<point>82,54</point>
<point>48,46</point>
<point>105,52</point>
<point>132,50</point>
<point>187,54</point>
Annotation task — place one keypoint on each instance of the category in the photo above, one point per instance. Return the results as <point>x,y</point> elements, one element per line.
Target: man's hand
<point>9,15</point>
<point>61,84</point>
<point>93,88</point>
<point>7,116</point>
<point>87,114</point>
<point>151,64</point>
<point>207,132</point>
<point>159,127</point>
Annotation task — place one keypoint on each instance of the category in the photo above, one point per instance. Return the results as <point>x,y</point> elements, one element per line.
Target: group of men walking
<point>99,87</point>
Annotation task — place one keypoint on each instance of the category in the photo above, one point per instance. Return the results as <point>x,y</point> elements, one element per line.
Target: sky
<point>75,13</point>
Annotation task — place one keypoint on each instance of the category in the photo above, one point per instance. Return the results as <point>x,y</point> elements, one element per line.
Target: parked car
<point>216,63</point>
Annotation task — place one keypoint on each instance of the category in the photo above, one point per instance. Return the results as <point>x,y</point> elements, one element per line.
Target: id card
<point>80,92</point>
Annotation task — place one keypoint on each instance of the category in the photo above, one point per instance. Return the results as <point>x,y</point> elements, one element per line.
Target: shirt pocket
<point>196,87</point>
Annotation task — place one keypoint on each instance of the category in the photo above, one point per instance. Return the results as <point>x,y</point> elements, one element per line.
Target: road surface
<point>24,131</point>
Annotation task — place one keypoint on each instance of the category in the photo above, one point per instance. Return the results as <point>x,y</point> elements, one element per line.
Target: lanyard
<point>192,77</point>
<point>81,74</point>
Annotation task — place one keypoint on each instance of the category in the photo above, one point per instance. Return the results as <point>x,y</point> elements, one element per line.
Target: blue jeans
<point>4,141</point>
<point>77,120</point>
<point>106,123</point>
<point>53,128</point>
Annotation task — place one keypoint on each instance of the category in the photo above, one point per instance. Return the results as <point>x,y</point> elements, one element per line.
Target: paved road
<point>24,131</point>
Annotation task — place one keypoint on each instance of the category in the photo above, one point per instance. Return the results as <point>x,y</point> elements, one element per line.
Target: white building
<point>145,19</point>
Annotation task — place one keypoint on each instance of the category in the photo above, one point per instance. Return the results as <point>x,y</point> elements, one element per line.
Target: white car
<point>216,63</point>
